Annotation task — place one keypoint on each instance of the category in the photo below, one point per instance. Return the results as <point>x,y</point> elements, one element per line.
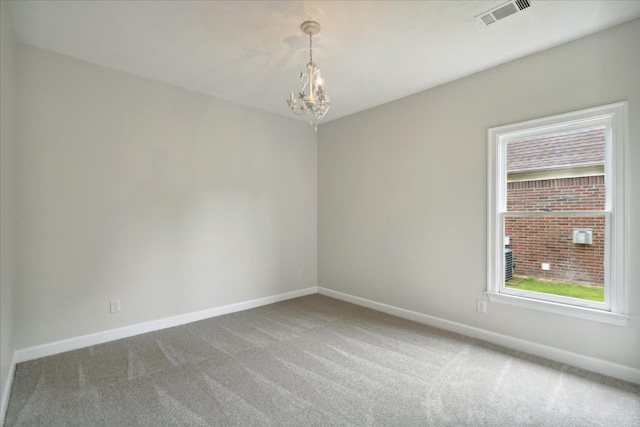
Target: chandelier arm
<point>304,81</point>
<point>318,107</point>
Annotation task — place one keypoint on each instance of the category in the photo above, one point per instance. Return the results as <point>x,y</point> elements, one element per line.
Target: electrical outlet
<point>114,306</point>
<point>545,266</point>
<point>300,274</point>
<point>481,306</point>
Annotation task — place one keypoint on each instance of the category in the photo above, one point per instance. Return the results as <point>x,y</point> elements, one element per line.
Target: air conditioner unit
<point>508,264</point>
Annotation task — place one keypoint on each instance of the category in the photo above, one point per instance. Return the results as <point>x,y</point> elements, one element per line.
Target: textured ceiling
<point>251,52</point>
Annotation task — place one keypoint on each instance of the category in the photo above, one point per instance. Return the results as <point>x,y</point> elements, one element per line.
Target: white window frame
<point>614,309</point>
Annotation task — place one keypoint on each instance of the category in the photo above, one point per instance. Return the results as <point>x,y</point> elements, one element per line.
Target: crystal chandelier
<point>315,104</point>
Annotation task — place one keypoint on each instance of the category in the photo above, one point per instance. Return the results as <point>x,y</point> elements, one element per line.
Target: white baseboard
<point>49,349</point>
<point>593,364</point>
<point>6,390</point>
<point>600,366</point>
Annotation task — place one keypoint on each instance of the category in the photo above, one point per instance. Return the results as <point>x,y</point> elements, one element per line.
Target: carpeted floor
<point>311,361</point>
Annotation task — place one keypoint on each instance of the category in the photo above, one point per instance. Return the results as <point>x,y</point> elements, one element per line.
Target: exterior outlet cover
<point>583,237</point>
<point>545,266</point>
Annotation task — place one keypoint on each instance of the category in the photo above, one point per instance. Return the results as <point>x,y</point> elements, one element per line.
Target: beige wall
<point>171,201</point>
<point>7,199</point>
<point>403,187</point>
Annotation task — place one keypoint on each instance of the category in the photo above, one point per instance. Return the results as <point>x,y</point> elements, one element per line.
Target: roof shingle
<point>584,147</point>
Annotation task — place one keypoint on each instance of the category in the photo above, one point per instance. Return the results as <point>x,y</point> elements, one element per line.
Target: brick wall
<point>550,239</point>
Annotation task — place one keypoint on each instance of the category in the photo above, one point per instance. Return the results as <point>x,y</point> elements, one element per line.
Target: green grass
<point>591,293</point>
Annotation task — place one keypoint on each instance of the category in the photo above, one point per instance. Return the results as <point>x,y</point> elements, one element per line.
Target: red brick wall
<point>550,239</point>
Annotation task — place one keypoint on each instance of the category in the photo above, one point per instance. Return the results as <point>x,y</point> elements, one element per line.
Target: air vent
<point>502,11</point>
<point>487,19</point>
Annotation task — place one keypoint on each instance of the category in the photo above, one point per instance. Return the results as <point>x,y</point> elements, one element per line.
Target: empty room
<point>291,213</point>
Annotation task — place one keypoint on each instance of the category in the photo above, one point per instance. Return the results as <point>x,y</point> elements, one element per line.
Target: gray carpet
<point>311,361</point>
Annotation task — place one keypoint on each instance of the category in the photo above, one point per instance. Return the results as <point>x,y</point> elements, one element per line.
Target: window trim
<point>614,310</point>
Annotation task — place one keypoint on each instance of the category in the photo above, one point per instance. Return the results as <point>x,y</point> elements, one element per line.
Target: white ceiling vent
<point>502,11</point>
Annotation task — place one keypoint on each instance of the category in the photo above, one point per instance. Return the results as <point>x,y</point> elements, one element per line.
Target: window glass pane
<point>560,255</point>
<point>557,172</point>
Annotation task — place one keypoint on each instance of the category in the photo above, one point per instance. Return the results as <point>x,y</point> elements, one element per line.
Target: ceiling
<point>251,52</point>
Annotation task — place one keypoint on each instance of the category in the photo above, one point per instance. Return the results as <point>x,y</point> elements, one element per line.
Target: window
<point>557,216</point>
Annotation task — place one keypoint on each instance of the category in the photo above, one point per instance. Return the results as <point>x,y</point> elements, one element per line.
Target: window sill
<point>562,309</point>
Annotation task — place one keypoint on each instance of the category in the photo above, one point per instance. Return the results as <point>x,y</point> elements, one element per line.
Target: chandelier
<point>314,101</point>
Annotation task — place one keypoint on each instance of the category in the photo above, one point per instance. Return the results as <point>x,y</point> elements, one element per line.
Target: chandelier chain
<point>310,49</point>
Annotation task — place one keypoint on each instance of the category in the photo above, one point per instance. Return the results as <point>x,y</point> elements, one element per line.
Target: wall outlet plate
<point>481,306</point>
<point>114,306</point>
